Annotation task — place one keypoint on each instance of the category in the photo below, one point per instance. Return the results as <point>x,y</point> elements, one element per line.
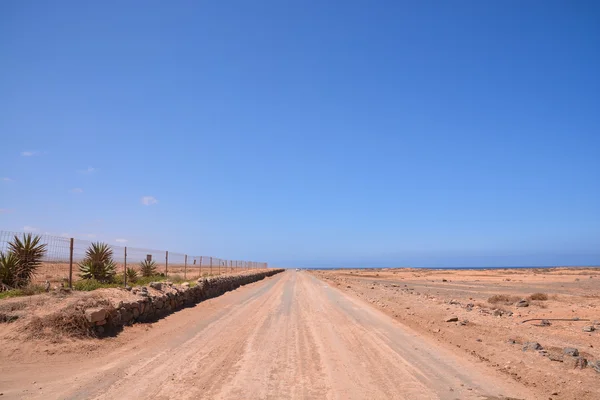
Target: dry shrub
<point>539,296</point>
<point>503,298</point>
<point>69,322</point>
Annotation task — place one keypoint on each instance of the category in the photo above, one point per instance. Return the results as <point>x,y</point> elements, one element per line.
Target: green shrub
<point>148,268</point>
<point>98,263</point>
<point>87,285</point>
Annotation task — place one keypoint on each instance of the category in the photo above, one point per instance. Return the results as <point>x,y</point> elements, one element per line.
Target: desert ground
<point>352,334</point>
<point>489,327</point>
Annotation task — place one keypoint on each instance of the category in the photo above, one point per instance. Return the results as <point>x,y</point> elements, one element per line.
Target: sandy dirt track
<point>290,336</point>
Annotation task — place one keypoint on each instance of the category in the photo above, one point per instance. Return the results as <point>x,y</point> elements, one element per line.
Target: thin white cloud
<point>28,228</point>
<point>88,170</point>
<point>6,179</point>
<point>121,240</point>
<point>76,190</point>
<point>5,210</point>
<point>149,200</point>
<point>29,153</point>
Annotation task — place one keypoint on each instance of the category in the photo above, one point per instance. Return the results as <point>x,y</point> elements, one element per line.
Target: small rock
<point>95,314</point>
<point>452,319</point>
<point>589,328</point>
<point>185,284</point>
<point>498,313</point>
<point>532,346</point>
<point>444,280</point>
<point>128,288</point>
<point>479,340</point>
<point>545,322</point>
<point>512,341</point>
<point>522,303</point>
<point>555,357</point>
<point>463,323</point>
<point>453,302</point>
<point>571,351</point>
<point>100,330</point>
<point>595,365</point>
<point>155,285</point>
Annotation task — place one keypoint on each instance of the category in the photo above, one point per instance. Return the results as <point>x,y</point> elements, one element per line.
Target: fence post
<point>71,264</point>
<point>200,268</point>
<point>125,267</point>
<point>211,266</point>
<point>166,264</point>
<point>185,268</point>
<point>219,267</point>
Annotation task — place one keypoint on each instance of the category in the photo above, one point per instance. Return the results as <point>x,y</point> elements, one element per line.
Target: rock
<point>555,357</point>
<point>100,330</point>
<point>444,280</point>
<point>144,289</point>
<point>532,346</point>
<point>100,323</point>
<point>478,340</point>
<point>136,313</point>
<point>512,341</point>
<point>135,290</point>
<point>571,351</point>
<point>156,285</point>
<point>452,319</point>
<point>453,302</point>
<point>93,315</point>
<point>185,285</point>
<point>498,313</point>
<point>522,303</point>
<point>589,328</point>
<point>470,305</point>
<point>576,362</point>
<point>463,323</point>
<point>128,288</point>
<point>595,366</point>
<point>544,322</point>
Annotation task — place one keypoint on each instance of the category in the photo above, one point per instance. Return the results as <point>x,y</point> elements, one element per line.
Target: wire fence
<point>60,263</point>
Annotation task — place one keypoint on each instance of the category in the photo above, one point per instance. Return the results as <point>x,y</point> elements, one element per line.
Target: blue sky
<point>307,133</point>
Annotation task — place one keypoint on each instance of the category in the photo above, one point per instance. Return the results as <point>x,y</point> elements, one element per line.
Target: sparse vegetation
<point>148,268</point>
<point>87,285</point>
<point>539,296</point>
<point>503,298</point>
<point>98,263</point>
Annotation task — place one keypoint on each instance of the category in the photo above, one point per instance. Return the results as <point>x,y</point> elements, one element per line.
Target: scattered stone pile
<point>164,298</point>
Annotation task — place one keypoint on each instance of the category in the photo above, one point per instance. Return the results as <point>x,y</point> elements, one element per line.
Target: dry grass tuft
<point>539,296</point>
<point>503,298</point>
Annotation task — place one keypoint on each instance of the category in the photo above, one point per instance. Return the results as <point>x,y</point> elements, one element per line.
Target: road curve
<point>290,336</point>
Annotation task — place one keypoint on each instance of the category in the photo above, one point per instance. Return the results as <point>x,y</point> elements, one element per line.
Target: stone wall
<point>163,298</point>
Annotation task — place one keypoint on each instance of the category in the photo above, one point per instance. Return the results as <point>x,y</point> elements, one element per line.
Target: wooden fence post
<point>125,267</point>
<point>71,264</point>
<point>167,264</point>
<point>185,268</point>
<point>211,266</point>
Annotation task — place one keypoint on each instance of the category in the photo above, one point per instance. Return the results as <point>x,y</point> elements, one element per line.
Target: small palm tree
<point>8,269</point>
<point>132,275</point>
<point>98,263</point>
<point>29,253</point>
<point>148,268</point>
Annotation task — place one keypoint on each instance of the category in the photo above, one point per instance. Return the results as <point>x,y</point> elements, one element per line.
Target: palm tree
<point>98,263</point>
<point>29,253</point>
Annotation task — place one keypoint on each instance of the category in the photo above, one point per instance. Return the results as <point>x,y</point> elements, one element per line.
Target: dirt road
<point>290,336</point>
